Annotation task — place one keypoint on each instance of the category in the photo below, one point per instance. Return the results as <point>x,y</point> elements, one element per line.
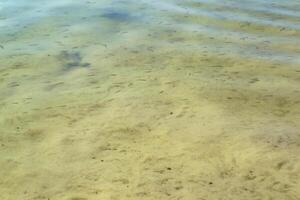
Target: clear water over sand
<point>150,99</point>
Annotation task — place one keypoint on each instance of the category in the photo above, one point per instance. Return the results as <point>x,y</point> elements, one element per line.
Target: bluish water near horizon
<point>150,99</point>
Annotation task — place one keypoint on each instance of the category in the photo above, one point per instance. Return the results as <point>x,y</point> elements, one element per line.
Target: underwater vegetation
<point>71,60</point>
<point>117,15</point>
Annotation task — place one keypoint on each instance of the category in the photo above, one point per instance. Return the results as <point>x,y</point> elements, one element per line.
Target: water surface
<point>149,99</point>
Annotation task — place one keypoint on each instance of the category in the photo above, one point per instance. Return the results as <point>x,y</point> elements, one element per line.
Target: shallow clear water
<point>150,99</point>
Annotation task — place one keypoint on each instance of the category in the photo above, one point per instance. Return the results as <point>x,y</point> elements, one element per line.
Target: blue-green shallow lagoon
<point>169,99</point>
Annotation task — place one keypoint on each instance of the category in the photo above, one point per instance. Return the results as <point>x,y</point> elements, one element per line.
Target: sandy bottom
<point>98,103</point>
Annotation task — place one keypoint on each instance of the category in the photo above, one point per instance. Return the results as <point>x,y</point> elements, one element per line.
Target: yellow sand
<point>148,107</point>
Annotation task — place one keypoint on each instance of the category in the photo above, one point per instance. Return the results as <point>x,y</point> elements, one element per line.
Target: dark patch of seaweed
<point>71,60</point>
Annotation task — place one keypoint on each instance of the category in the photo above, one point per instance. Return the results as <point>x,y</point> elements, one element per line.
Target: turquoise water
<point>149,99</point>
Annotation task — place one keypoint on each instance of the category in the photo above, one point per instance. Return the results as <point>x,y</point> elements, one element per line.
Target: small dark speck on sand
<point>85,64</point>
<point>216,66</point>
